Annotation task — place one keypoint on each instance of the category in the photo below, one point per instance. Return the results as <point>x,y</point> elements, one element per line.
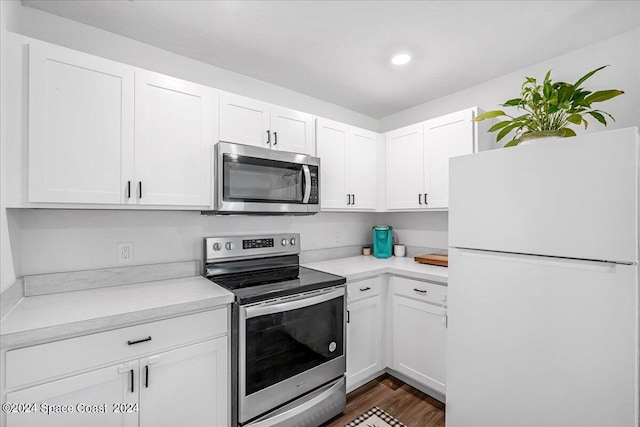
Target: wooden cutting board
<point>433,259</point>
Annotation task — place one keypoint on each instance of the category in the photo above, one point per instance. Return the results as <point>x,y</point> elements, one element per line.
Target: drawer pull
<point>146,376</point>
<point>422,291</point>
<point>365,289</point>
<point>139,341</point>
<point>131,376</point>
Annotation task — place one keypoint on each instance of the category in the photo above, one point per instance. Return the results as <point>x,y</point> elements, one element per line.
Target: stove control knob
<point>293,241</point>
<point>217,246</point>
<point>229,246</point>
<point>284,242</point>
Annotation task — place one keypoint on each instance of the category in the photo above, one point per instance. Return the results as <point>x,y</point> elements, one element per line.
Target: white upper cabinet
<point>363,168</point>
<point>445,137</point>
<point>248,121</point>
<point>418,160</point>
<point>80,126</point>
<point>101,132</point>
<point>348,166</point>
<point>333,138</point>
<point>405,167</point>
<point>174,135</point>
<point>244,120</point>
<point>292,131</point>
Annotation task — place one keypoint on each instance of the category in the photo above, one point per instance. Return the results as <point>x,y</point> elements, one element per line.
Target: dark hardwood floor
<point>405,403</point>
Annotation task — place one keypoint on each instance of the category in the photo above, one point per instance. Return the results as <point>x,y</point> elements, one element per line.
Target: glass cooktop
<point>267,283</point>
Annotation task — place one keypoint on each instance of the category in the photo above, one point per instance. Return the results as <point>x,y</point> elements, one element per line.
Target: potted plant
<point>549,109</point>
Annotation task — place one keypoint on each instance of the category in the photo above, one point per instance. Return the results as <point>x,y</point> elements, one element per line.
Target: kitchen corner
<point>363,267</point>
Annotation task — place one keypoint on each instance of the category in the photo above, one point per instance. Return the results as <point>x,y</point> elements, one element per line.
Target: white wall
<point>69,240</point>
<point>7,270</point>
<point>425,229</point>
<point>620,52</point>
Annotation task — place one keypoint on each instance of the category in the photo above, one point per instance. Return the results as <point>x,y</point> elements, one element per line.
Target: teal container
<point>382,241</point>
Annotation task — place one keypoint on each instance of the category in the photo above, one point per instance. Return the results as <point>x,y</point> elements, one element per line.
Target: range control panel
<point>229,247</point>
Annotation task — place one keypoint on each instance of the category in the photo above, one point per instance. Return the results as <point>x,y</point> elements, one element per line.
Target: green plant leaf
<point>589,74</point>
<point>489,115</point>
<point>512,143</point>
<point>565,92</point>
<point>506,130</point>
<point>568,132</point>
<point>599,117</point>
<point>603,95</point>
<point>498,126</point>
<point>512,102</point>
<point>576,119</point>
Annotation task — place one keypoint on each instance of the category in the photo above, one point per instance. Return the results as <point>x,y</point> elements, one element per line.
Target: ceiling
<point>339,51</point>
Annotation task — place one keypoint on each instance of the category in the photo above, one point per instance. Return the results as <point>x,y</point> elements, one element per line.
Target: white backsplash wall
<point>69,240</point>
<point>424,229</point>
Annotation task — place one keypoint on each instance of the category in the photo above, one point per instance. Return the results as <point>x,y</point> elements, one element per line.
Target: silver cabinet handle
<point>268,137</point>
<point>275,138</point>
<point>365,289</point>
<point>354,199</point>
<point>348,199</point>
<point>421,291</point>
<point>420,199</point>
<point>425,198</point>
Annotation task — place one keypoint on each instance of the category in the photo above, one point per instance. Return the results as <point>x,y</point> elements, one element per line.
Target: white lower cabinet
<point>364,331</point>
<point>419,341</point>
<point>61,403</point>
<point>186,385</point>
<point>399,324</point>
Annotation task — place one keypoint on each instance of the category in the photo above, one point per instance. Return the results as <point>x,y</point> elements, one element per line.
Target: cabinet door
<point>186,387</point>
<point>364,343</point>
<point>244,120</point>
<point>175,126</point>
<point>80,126</point>
<point>95,391</point>
<point>445,137</point>
<point>291,131</point>
<point>419,341</point>
<point>332,145</point>
<point>362,169</point>
<point>405,168</point>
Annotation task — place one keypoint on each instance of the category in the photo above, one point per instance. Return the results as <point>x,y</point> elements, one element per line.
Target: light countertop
<point>362,267</point>
<point>66,314</point>
<point>50,317</point>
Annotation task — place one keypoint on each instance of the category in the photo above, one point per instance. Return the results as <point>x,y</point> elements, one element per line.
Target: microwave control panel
<point>313,197</point>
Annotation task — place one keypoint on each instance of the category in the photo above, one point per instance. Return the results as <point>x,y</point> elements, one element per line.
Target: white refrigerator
<point>543,285</point>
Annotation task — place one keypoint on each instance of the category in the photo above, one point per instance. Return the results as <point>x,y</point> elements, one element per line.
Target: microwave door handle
<point>306,184</point>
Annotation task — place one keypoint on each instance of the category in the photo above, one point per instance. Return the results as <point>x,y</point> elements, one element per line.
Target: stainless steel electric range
<point>288,331</point>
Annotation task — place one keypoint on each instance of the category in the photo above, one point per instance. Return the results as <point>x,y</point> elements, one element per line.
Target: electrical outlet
<point>337,238</point>
<point>125,252</point>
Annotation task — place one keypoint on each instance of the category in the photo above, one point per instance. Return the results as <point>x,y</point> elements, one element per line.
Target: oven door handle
<point>306,183</point>
<point>291,304</point>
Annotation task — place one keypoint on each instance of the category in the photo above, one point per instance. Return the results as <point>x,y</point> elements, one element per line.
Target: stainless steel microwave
<point>256,180</point>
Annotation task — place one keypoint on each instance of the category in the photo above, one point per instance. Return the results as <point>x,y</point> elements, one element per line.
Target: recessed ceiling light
<point>400,59</point>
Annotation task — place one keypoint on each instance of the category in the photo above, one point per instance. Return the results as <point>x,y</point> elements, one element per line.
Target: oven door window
<point>282,345</point>
<point>251,179</point>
